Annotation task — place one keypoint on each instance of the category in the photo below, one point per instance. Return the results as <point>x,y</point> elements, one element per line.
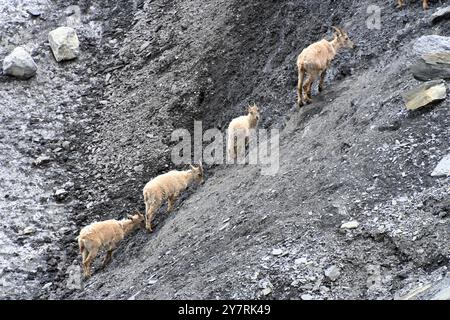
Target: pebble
<point>301,261</point>
<point>41,160</point>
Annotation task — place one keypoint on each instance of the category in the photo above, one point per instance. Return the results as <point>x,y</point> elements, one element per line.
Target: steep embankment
<point>355,153</point>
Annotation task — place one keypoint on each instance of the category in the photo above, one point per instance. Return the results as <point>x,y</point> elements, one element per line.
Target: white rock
<point>443,167</point>
<point>266,291</point>
<point>64,43</point>
<point>332,273</point>
<point>226,225</point>
<point>441,14</point>
<point>19,64</point>
<point>350,225</point>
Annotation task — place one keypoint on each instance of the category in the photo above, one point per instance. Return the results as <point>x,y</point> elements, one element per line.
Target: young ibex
<point>401,3</point>
<point>168,187</point>
<point>104,234</point>
<point>241,126</point>
<point>315,60</point>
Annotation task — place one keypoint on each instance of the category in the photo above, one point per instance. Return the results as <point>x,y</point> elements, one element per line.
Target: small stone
<point>332,273</point>
<point>226,225</point>
<point>47,286</point>
<point>41,160</point>
<point>152,281</point>
<point>301,261</point>
<point>277,252</point>
<point>139,168</point>
<point>443,168</point>
<point>60,194</point>
<point>425,94</point>
<point>265,283</point>
<point>350,225</point>
<point>144,46</point>
<point>64,43</point>
<point>34,12</point>
<point>29,230</point>
<point>19,64</point>
<point>66,145</point>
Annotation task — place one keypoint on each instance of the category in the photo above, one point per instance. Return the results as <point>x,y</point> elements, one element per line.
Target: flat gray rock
<point>431,291</point>
<point>441,14</point>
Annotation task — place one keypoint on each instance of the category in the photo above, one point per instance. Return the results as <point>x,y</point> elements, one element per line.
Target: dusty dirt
<point>354,154</point>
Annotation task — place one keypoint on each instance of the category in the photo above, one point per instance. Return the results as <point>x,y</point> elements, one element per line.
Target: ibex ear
<point>192,167</point>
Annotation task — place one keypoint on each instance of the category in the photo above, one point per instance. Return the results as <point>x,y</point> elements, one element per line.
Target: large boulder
<point>425,94</point>
<point>432,66</point>
<point>64,43</point>
<point>441,14</point>
<point>19,64</point>
<point>431,44</point>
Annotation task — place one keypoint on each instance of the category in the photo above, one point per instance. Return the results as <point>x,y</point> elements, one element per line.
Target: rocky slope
<point>149,67</point>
